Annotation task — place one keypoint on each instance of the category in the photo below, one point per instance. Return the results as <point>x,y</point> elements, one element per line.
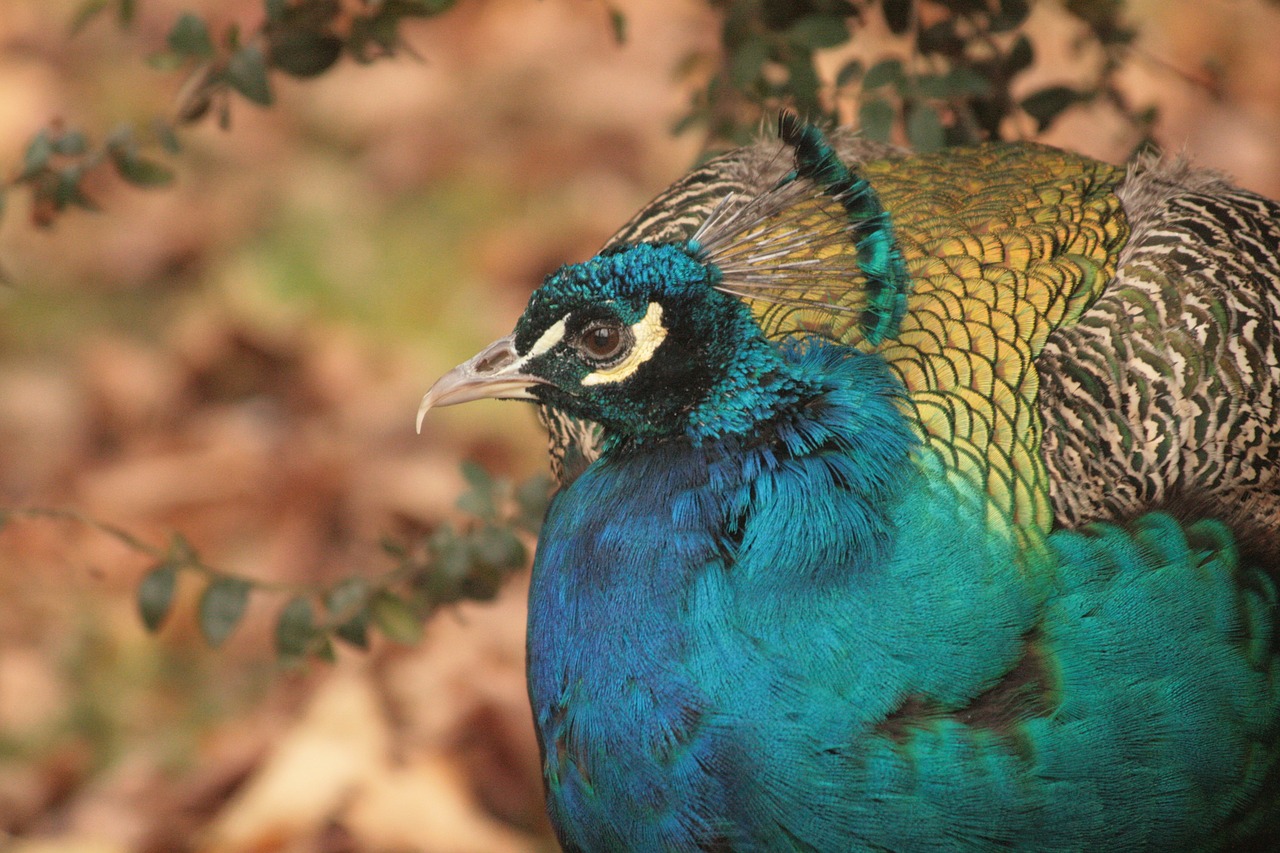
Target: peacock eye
<point>603,341</point>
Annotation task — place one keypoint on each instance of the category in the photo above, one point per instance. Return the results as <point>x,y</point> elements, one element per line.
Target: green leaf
<point>275,10</point>
<point>851,71</point>
<point>1021,55</point>
<point>71,144</point>
<point>350,598</point>
<point>885,72</point>
<point>246,72</point>
<point>875,118</point>
<point>532,497</point>
<point>155,595</point>
<point>924,128</point>
<point>1011,16</point>
<point>395,618</point>
<point>126,12</point>
<point>818,31</point>
<point>69,191</point>
<point>618,24</point>
<point>304,52</point>
<point>965,81</point>
<point>498,548</point>
<point>479,500</point>
<point>897,14</point>
<point>1047,104</point>
<point>221,606</point>
<point>39,150</point>
<point>143,173</point>
<point>747,61</point>
<point>167,136</point>
<point>86,12</point>
<point>190,37</point>
<point>295,628</point>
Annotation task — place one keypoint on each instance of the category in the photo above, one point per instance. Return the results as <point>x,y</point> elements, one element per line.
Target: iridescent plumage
<point>934,505</point>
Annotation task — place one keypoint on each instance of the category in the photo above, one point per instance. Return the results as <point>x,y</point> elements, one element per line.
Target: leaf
<point>155,595</point>
<point>747,61</point>
<point>86,12</point>
<point>924,128</point>
<point>295,628</point>
<point>618,24</point>
<point>479,500</point>
<point>246,72</point>
<point>68,190</point>
<point>190,37</point>
<point>897,14</point>
<point>498,548</point>
<point>851,71</point>
<point>875,118</point>
<point>532,497</point>
<point>221,606</point>
<point>167,136</point>
<point>1021,55</point>
<point>143,173</point>
<point>127,10</point>
<point>395,618</point>
<point>71,144</point>
<point>885,72</point>
<point>350,599</point>
<point>39,150</point>
<point>818,31</point>
<point>963,80</point>
<point>1047,104</point>
<point>304,52</point>
<point>275,10</point>
<point>1011,16</point>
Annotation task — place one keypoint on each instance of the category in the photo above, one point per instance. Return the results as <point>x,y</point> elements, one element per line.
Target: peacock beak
<point>494,373</point>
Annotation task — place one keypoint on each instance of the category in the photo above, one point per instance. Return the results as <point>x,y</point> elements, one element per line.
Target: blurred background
<point>238,357</point>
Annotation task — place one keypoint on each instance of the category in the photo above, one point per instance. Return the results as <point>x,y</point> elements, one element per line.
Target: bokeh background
<point>239,357</point>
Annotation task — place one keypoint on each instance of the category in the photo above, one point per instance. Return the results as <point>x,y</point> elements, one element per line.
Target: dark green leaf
<point>155,595</point>
<point>71,144</point>
<point>885,72</point>
<point>275,10</point>
<point>851,71</point>
<point>532,497</point>
<point>349,601</point>
<point>479,500</point>
<point>86,12</point>
<point>395,618</point>
<point>143,173</point>
<point>818,31</point>
<point>897,14</point>
<point>1047,104</point>
<point>69,190</point>
<point>498,548</point>
<point>295,628</point>
<point>964,81</point>
<point>305,53</point>
<point>875,118</point>
<point>190,37</point>
<point>126,12</point>
<point>747,61</point>
<point>941,38</point>
<point>167,136</point>
<point>1021,55</point>
<point>324,650</point>
<point>247,73</point>
<point>39,150</point>
<point>221,606</point>
<point>924,128</point>
<point>618,23</point>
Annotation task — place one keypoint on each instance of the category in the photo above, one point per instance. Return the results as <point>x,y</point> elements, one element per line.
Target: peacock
<point>909,503</point>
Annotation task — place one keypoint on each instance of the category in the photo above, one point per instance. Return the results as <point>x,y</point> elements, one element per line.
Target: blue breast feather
<point>809,639</point>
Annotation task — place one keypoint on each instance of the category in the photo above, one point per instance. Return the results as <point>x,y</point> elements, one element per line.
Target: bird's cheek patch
<point>648,334</point>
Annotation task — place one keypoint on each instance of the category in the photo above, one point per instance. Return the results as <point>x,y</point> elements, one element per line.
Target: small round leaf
<point>155,595</point>
<point>221,606</point>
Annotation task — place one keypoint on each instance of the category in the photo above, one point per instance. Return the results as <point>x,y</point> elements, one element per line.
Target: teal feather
<point>879,257</point>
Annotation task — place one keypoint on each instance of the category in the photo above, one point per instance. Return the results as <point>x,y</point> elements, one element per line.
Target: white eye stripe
<point>648,333</point>
<point>549,338</point>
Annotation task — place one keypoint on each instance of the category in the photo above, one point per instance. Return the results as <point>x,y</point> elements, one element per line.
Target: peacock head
<point>637,339</point>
